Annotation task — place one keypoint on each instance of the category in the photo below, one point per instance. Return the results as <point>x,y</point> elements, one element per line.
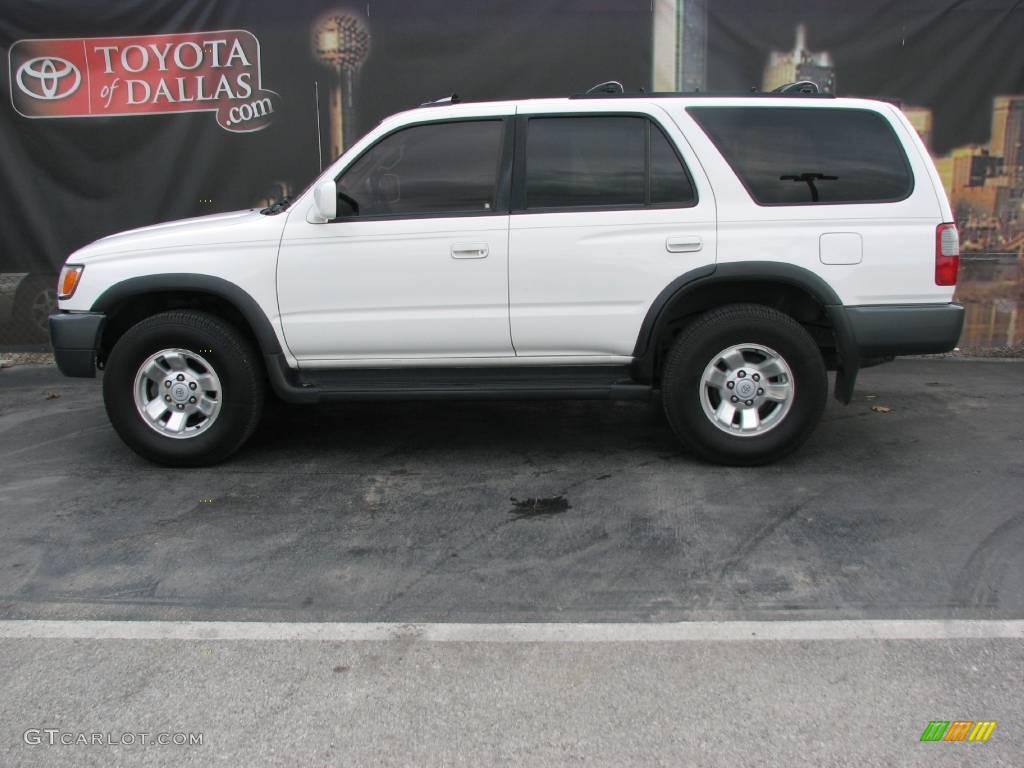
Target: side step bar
<point>575,382</point>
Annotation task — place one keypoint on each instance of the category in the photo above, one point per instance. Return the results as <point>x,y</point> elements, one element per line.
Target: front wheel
<point>744,385</point>
<point>183,388</point>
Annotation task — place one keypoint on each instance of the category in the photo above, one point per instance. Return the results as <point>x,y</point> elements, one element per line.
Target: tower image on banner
<point>341,42</point>
<point>800,64</point>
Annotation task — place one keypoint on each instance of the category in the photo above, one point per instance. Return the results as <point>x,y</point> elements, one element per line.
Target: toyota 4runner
<point>723,251</point>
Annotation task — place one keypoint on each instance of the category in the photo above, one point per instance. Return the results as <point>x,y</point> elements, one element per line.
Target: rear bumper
<point>75,337</point>
<point>911,329</point>
<point>867,335</point>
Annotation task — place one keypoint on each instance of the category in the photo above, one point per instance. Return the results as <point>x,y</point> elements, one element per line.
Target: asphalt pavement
<point>905,505</point>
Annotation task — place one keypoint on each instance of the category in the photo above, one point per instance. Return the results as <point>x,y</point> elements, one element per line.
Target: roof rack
<point>607,88</point>
<point>801,89</point>
<point>442,102</point>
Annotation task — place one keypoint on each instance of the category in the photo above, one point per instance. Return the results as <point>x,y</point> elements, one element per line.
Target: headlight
<point>69,277</point>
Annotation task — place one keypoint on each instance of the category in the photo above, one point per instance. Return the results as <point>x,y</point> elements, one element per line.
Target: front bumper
<point>75,337</point>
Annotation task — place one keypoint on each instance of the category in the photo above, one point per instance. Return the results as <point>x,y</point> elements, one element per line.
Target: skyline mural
<point>329,71</point>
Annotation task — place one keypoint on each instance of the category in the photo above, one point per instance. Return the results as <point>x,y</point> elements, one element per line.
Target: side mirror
<point>325,203</point>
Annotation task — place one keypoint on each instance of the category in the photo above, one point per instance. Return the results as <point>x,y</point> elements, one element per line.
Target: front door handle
<point>470,251</point>
<point>684,244</point>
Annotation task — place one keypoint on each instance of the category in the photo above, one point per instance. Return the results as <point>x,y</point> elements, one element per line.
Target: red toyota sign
<point>139,75</point>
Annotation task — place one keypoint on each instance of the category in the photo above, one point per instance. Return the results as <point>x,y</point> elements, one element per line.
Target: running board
<point>575,382</point>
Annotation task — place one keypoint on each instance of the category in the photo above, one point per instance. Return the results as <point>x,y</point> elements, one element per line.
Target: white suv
<point>725,251</point>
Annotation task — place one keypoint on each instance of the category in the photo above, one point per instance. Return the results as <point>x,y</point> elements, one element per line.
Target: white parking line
<point>669,632</point>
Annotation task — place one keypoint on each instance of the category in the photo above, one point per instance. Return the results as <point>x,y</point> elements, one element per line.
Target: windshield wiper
<point>276,207</point>
<point>809,179</point>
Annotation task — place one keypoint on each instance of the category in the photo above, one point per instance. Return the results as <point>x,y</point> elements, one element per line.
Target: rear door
<point>608,208</point>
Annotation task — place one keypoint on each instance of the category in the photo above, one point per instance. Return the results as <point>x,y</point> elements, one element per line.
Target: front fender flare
<point>195,283</point>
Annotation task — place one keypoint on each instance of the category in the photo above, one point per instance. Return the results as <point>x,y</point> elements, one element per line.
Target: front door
<point>415,265</point>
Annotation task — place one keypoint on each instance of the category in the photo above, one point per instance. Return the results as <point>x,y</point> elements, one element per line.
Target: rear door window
<point>809,156</point>
<point>670,183</point>
<point>602,161</point>
<point>585,162</point>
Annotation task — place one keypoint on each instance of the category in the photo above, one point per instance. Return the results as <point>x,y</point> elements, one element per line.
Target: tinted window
<point>441,168</point>
<point>669,180</point>
<point>799,156</point>
<point>602,161</point>
<point>585,161</point>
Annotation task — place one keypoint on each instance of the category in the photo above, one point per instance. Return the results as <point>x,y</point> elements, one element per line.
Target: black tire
<point>233,359</point>
<point>701,342</point>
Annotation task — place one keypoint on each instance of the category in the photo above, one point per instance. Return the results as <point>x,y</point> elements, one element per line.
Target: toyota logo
<point>50,73</point>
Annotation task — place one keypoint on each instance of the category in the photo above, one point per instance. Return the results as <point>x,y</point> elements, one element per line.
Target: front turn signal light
<point>69,277</point>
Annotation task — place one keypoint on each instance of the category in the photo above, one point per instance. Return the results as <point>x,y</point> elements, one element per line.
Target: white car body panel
<point>898,264</point>
<point>239,246</point>
<point>391,289</point>
<point>553,287</point>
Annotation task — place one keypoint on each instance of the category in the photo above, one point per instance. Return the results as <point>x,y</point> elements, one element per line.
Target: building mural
<point>292,86</point>
<point>799,64</point>
<point>984,180</point>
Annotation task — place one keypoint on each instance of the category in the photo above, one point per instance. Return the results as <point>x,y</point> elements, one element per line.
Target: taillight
<point>947,254</point>
<point>68,281</point>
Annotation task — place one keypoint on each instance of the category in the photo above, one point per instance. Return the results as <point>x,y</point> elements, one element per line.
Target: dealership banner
<point>217,71</point>
<point>120,115</point>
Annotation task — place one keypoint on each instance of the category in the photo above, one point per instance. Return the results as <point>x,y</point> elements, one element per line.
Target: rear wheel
<point>744,384</point>
<point>183,388</point>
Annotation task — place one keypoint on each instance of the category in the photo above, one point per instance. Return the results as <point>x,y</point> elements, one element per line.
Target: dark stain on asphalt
<point>538,507</point>
<point>341,668</point>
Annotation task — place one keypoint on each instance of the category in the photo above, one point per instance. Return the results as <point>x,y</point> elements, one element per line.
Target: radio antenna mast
<point>316,107</point>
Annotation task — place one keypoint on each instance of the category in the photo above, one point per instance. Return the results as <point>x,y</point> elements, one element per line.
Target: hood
<point>201,231</point>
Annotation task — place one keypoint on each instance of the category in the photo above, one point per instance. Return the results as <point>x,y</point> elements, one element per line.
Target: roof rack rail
<point>803,87</point>
<point>801,94</point>
<point>442,102</point>
<point>607,88</point>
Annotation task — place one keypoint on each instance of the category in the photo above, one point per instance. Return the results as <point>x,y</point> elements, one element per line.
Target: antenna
<point>316,108</point>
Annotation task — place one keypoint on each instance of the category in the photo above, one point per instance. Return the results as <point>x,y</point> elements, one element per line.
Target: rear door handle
<point>470,251</point>
<point>684,244</point>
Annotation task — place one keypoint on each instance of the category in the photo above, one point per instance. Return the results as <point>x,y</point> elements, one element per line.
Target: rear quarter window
<point>810,156</point>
